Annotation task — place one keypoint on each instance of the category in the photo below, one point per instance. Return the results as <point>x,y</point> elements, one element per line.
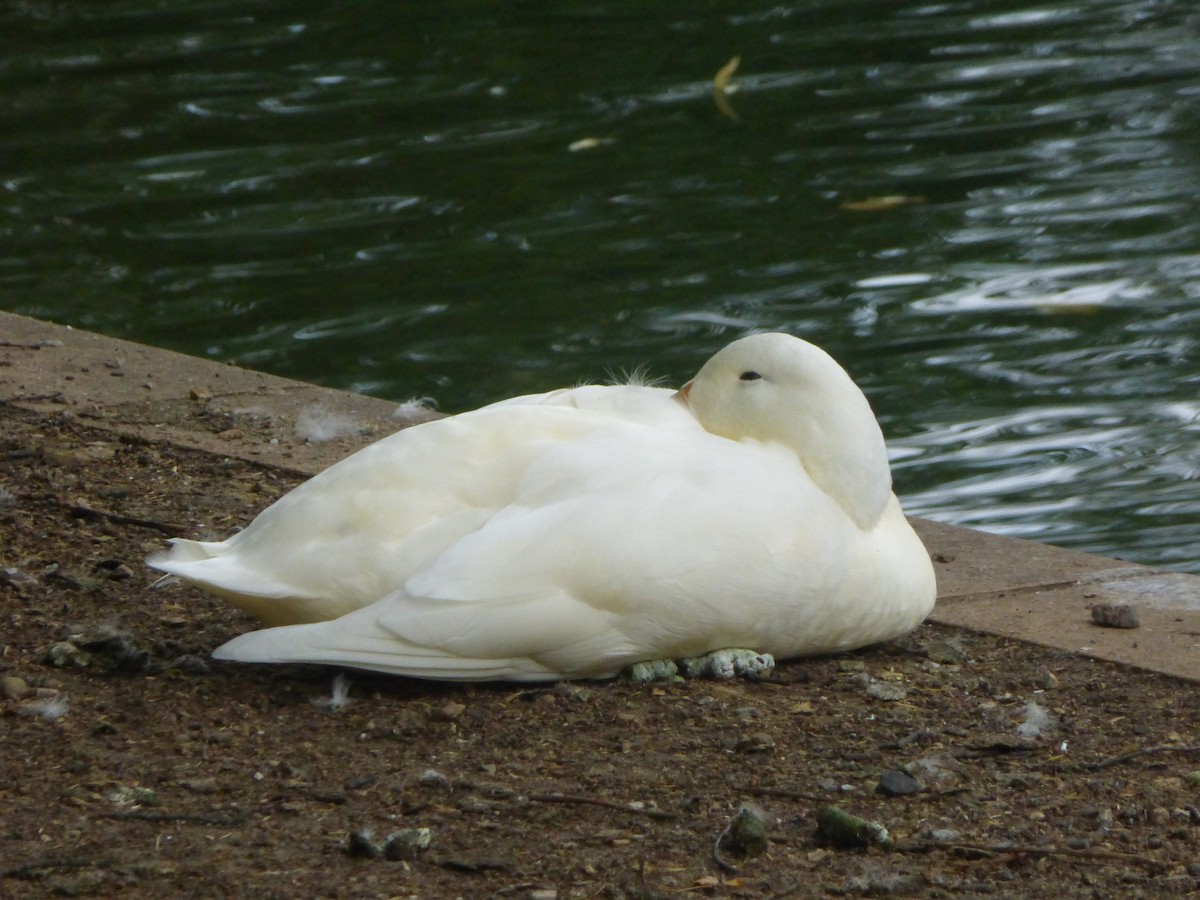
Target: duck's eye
<point>749,376</point>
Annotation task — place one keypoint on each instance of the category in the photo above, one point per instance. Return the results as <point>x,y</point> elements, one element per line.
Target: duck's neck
<point>843,451</point>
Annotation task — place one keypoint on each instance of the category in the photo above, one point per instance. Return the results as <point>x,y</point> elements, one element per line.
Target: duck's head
<point>779,388</point>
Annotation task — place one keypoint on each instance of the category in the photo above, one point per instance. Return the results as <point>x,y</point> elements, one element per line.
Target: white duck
<point>575,533</point>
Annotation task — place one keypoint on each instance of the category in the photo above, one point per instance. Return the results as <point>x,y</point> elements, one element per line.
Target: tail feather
<point>271,601</point>
<point>185,551</point>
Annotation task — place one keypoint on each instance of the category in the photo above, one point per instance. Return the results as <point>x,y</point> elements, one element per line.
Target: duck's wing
<point>490,642</point>
<point>631,546</point>
<point>359,530</point>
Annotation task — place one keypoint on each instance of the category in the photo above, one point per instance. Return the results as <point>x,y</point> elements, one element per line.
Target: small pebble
<point>362,844</point>
<point>887,691</point>
<point>884,884</point>
<point>1046,680</point>
<point>1115,615</point>
<point>433,778</point>
<point>758,742</point>
<point>113,569</point>
<point>65,655</point>
<point>945,835</point>
<point>134,796</point>
<point>19,581</point>
<point>108,649</point>
<point>200,785</point>
<point>407,843</point>
<point>747,833</point>
<point>13,687</point>
<point>895,783</point>
<point>448,711</point>
<point>945,652</point>
<point>189,664</point>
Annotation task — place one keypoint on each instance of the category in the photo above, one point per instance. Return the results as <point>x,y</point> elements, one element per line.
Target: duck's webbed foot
<point>727,664</point>
<point>719,664</point>
<point>651,670</point>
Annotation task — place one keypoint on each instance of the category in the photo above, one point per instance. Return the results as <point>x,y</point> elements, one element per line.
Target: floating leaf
<point>880,204</point>
<point>588,143</point>
<point>721,87</point>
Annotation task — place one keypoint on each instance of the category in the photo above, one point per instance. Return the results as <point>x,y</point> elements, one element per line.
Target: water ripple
<point>984,210</point>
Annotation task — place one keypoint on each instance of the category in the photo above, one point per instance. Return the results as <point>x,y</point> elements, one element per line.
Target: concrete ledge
<point>163,396</point>
<point>1019,589</point>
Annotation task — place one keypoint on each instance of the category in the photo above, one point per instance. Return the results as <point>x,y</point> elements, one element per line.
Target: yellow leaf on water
<point>721,81</point>
<point>879,204</point>
<point>721,87</point>
<point>589,143</point>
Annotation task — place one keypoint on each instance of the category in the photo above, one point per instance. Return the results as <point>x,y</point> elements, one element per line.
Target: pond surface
<point>986,210</point>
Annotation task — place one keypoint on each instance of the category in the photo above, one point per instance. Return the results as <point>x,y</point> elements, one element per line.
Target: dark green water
<point>389,201</point>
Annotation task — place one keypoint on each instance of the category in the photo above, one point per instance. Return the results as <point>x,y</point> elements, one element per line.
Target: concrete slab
<point>1168,639</point>
<point>1016,588</point>
<point>159,395</point>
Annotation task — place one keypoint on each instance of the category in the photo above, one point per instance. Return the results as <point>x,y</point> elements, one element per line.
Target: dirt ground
<point>130,763</point>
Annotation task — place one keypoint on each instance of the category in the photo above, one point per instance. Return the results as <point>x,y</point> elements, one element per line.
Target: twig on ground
<point>652,811</point>
<point>81,509</point>
<point>31,345</point>
<point>1120,758</point>
<point>234,817</point>
<point>785,793</point>
<point>1031,850</point>
<point>722,863</point>
<point>26,870</point>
